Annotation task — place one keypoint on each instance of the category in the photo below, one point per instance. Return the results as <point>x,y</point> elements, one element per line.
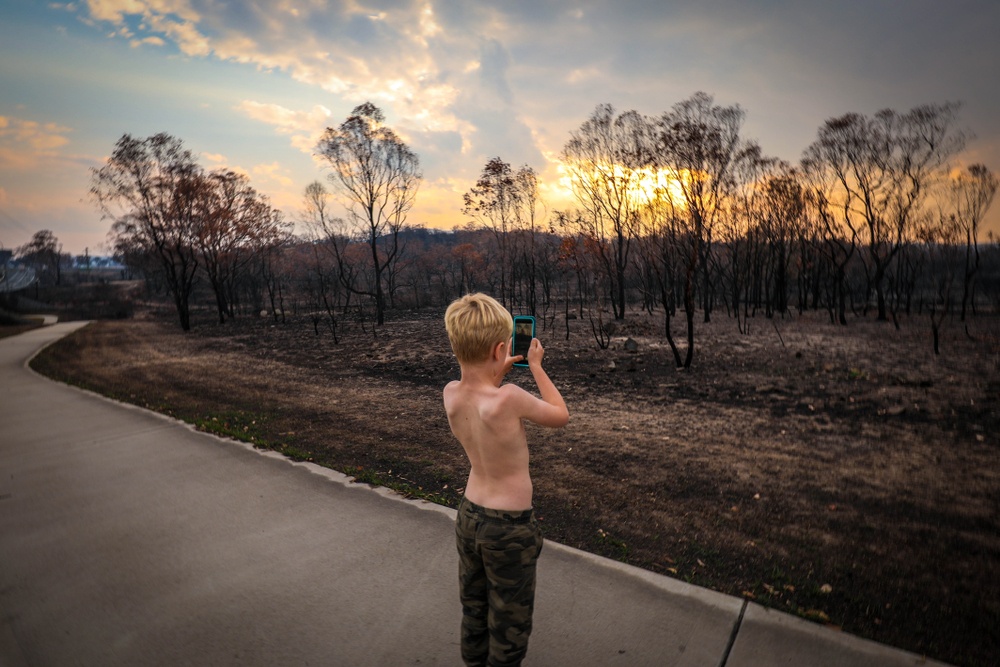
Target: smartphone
<point>524,331</point>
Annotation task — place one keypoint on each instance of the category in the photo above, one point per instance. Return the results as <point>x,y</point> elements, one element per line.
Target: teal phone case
<point>522,342</point>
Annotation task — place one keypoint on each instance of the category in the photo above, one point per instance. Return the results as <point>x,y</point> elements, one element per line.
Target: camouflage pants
<point>497,553</point>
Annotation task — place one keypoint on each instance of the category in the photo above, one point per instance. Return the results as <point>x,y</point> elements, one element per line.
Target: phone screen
<point>524,331</point>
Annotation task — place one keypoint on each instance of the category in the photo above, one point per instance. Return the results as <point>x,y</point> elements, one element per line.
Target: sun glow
<point>664,185</point>
<point>643,186</point>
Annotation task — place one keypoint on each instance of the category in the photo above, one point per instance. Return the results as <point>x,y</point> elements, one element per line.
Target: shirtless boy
<point>498,537</point>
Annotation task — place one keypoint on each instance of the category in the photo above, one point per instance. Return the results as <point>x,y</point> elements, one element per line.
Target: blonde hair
<point>475,324</point>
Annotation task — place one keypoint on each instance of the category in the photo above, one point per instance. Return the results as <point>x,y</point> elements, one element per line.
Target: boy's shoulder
<point>456,391</point>
<point>451,391</point>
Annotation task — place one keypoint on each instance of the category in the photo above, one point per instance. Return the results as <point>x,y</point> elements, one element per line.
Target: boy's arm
<point>551,409</point>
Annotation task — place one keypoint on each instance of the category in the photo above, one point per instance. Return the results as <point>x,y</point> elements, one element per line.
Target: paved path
<point>130,539</point>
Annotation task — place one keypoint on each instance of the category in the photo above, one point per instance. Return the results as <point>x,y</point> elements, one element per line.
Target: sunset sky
<point>251,85</point>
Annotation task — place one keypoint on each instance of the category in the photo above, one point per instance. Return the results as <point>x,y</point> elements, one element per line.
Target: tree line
<point>174,222</point>
<point>679,215</point>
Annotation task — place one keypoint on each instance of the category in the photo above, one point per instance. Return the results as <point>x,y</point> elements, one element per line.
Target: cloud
<point>400,58</point>
<point>216,160</point>
<point>441,72</point>
<point>44,186</point>
<point>152,40</point>
<point>171,20</point>
<point>287,121</point>
<point>304,127</point>
<point>111,10</point>
<point>464,81</point>
<point>583,75</point>
<point>26,143</point>
<point>493,64</point>
<point>272,172</point>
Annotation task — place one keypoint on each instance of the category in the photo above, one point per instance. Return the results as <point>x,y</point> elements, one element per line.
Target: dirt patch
<point>7,330</point>
<point>845,474</point>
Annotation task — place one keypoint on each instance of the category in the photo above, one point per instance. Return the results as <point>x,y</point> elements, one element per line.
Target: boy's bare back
<point>487,418</point>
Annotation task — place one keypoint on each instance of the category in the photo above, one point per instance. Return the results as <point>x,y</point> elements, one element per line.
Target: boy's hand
<point>508,362</point>
<point>535,353</point>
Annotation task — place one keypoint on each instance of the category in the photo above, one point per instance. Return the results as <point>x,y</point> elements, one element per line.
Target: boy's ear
<point>500,351</point>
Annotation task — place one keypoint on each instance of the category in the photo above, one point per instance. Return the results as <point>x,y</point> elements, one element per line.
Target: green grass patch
<point>612,546</point>
<point>239,425</point>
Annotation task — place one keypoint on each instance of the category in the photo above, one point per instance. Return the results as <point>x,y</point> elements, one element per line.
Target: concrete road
<point>127,538</point>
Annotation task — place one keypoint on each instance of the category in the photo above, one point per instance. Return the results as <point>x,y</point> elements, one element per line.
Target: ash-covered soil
<point>845,474</point>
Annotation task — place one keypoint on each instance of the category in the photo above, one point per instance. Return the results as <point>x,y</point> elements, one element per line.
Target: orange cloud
<point>287,121</point>
<point>397,64</point>
<point>24,143</point>
<point>174,19</point>
<point>154,41</point>
<point>273,172</point>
